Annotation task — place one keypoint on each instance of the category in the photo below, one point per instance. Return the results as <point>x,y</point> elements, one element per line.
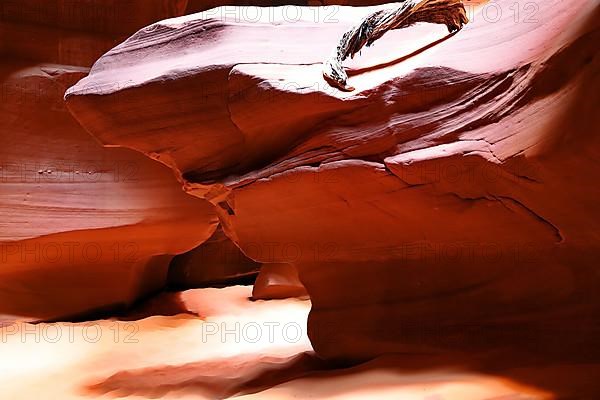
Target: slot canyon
<point>300,199</point>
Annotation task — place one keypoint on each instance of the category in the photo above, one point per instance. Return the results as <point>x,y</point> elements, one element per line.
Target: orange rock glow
<point>190,210</point>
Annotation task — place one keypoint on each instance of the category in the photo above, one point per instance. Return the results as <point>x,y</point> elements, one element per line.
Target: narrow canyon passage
<point>203,199</point>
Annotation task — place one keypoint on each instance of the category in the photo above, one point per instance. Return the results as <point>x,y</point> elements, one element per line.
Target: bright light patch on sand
<point>238,347</point>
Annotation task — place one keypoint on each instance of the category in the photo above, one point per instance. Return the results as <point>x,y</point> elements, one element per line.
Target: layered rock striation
<point>82,227</point>
<point>443,205</point>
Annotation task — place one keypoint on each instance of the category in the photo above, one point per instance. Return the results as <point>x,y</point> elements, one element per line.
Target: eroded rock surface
<point>82,227</point>
<point>75,32</point>
<point>78,32</point>
<point>446,204</point>
<point>218,261</point>
<point>278,281</point>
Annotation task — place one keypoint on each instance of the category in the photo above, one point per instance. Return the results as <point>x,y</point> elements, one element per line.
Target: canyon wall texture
<point>218,261</point>
<point>82,227</point>
<point>446,204</point>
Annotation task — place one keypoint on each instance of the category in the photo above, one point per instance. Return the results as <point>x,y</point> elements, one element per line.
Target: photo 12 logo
<point>271,15</point>
<point>68,252</point>
<point>90,332</point>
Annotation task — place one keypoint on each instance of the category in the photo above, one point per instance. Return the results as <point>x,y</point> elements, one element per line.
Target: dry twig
<point>448,12</point>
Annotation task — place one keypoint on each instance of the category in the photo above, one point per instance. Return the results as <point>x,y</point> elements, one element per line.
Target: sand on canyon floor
<point>220,344</point>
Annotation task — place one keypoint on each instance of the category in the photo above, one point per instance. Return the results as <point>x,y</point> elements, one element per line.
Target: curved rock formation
<point>218,261</point>
<point>75,32</point>
<point>278,281</point>
<point>445,204</point>
<point>82,227</point>
<point>78,32</point>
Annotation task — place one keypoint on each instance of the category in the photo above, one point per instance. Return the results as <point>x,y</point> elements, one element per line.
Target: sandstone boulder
<point>278,281</point>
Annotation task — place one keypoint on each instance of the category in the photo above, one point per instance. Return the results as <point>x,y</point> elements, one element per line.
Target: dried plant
<point>448,12</point>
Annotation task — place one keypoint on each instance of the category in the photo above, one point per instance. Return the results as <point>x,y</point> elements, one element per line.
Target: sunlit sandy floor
<point>233,346</point>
